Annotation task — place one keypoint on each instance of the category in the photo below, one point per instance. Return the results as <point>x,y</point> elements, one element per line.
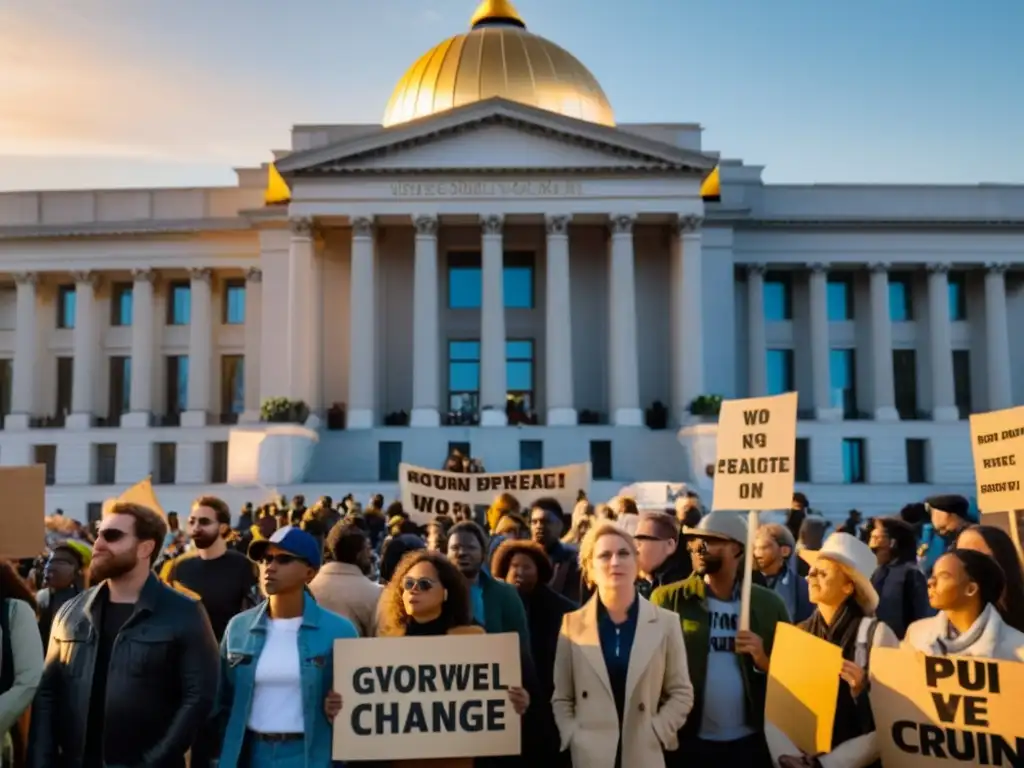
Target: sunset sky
<point>102,93</point>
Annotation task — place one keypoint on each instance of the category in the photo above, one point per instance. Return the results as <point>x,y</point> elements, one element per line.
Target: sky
<point>136,93</point>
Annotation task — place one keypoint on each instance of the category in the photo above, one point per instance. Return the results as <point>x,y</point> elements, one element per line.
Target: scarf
<point>979,640</point>
<point>853,715</point>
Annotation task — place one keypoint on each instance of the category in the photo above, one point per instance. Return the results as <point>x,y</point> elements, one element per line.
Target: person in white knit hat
<point>839,586</point>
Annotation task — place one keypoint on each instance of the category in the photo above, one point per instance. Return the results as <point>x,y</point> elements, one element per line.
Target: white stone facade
<point>641,292</point>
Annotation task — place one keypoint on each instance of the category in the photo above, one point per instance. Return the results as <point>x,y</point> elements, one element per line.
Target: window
<point>166,463</point>
<point>917,451</point>
<point>234,302</point>
<point>219,462</point>
<point>47,456</point>
<point>962,381</point>
<point>389,456</point>
<point>840,298</point>
<point>65,383</point>
<point>106,463</point>
<point>531,454</point>
<point>232,387</point>
<point>904,370</point>
<point>780,371</point>
<point>957,296</point>
<point>842,367</point>
<point>802,460</point>
<point>93,513</point>
<point>853,460</point>
<point>179,304</point>
<point>121,304</point>
<point>519,373</point>
<point>465,282</point>
<point>901,306</point>
<point>778,297</point>
<point>601,459</point>
<point>6,374</point>
<point>177,384</point>
<point>463,381</point>
<point>66,306</point>
<point>120,388</point>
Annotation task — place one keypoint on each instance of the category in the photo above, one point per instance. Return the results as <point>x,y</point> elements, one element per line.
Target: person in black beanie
<point>950,514</point>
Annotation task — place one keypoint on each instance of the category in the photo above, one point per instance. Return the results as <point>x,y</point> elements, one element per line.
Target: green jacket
<point>503,609</point>
<point>688,598</point>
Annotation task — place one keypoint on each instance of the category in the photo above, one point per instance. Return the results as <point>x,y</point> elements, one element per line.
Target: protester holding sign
<point>21,660</point>
<point>277,663</point>
<point>965,587</point>
<point>622,687</point>
<point>998,545</point>
<point>845,602</point>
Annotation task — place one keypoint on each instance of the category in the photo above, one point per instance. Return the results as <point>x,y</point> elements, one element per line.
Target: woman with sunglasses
<point>277,662</point>
<point>427,596</point>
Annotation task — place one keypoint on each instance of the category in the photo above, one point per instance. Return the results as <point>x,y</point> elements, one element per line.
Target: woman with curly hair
<point>21,661</point>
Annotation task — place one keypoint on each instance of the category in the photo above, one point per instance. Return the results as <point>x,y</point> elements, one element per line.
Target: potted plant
<point>336,416</point>
<point>656,417</point>
<point>281,410</point>
<point>706,407</point>
<point>396,419</point>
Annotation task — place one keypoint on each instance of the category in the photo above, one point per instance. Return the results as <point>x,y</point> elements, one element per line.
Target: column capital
<point>144,276</point>
<point>937,268</point>
<point>26,278</point>
<point>756,269</point>
<point>689,224</point>
<point>426,226</point>
<point>818,268</point>
<point>621,224</point>
<point>996,267</point>
<point>86,277</point>
<point>200,274</point>
<point>362,226</point>
<point>879,268</point>
<point>302,227</point>
<point>557,225</point>
<point>254,275</point>
<point>492,224</point>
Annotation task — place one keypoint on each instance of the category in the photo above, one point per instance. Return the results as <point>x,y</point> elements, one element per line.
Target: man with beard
<point>132,667</point>
<point>547,522</point>
<point>726,726</point>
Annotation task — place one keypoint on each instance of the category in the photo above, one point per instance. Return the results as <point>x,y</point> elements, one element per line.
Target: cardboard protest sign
<point>427,493</point>
<point>803,687</point>
<point>997,440</point>
<point>934,711</point>
<point>23,512</point>
<point>755,454</point>
<point>653,496</point>
<point>142,493</point>
<point>426,697</point>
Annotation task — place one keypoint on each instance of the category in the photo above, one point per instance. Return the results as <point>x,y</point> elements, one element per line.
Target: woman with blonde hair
<point>582,520</point>
<point>622,685</point>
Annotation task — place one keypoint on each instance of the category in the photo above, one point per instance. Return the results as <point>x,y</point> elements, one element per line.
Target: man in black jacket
<point>132,667</point>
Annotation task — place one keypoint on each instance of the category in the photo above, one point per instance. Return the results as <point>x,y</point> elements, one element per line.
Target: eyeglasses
<point>110,535</point>
<point>700,549</point>
<point>419,585</point>
<point>280,559</point>
<point>200,521</point>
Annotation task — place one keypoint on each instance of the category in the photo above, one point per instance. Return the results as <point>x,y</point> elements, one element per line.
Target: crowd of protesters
<point>212,639</point>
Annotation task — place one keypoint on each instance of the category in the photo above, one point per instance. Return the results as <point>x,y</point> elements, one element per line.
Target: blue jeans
<point>274,754</point>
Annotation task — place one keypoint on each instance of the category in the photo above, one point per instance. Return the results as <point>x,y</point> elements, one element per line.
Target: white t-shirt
<point>277,687</point>
<point>724,717</point>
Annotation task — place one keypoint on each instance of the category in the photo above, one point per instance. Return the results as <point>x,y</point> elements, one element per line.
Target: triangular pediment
<point>494,134</point>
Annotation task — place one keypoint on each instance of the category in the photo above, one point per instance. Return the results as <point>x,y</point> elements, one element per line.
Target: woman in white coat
<point>622,685</point>
<point>965,588</point>
<point>839,586</point>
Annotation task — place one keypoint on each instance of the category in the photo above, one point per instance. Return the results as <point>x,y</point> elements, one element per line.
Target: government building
<point>501,267</point>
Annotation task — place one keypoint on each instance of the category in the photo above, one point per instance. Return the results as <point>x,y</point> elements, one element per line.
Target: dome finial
<point>496,12</point>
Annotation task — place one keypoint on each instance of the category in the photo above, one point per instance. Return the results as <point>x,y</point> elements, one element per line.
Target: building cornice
<point>127,228</point>
<point>908,223</point>
<point>546,170</point>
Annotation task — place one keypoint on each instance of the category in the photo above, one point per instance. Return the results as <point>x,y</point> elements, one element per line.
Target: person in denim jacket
<point>277,660</point>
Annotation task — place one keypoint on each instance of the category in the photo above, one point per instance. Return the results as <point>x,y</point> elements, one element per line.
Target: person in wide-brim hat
<point>857,561</point>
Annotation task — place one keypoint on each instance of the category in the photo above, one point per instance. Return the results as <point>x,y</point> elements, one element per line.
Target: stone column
<point>997,338</point>
<point>623,358</point>
<point>362,363</point>
<point>300,310</point>
<point>26,352</point>
<point>143,344</point>
<point>687,296</point>
<point>940,347</point>
<point>200,349</point>
<point>83,394</point>
<point>493,373</point>
<point>253,342</point>
<point>558,371</point>
<point>757,339</point>
<point>881,346</point>
<point>426,327</point>
<point>820,348</point>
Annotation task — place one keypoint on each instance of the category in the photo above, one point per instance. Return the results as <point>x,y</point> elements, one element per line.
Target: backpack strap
<point>865,640</point>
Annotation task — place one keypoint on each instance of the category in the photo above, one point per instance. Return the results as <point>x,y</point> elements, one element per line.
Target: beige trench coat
<point>659,694</point>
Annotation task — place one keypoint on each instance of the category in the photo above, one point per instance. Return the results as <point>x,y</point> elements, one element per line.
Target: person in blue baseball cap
<point>277,663</point>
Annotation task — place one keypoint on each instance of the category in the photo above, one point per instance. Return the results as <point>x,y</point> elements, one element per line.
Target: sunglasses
<point>419,585</point>
<point>110,535</point>
<point>700,549</point>
<point>279,559</point>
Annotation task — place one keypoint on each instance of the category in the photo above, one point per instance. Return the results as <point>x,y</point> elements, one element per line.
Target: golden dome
<point>498,57</point>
